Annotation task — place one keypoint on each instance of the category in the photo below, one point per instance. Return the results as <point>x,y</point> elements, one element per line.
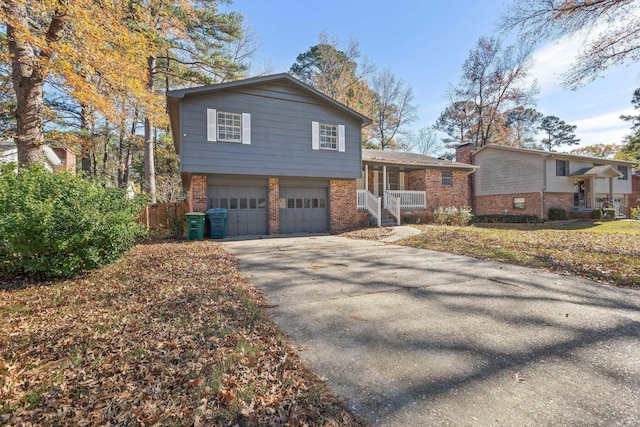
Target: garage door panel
<point>246,208</point>
<point>305,209</point>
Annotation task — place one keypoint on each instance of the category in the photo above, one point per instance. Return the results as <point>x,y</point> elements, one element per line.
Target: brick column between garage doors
<point>198,193</point>
<point>343,206</point>
<point>274,207</point>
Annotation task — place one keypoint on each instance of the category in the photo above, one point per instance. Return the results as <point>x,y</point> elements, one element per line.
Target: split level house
<point>282,158</point>
<point>519,181</point>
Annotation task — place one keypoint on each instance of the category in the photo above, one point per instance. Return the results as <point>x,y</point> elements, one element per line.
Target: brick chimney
<point>463,153</point>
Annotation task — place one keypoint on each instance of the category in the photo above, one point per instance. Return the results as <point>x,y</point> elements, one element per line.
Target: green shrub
<point>57,225</point>
<point>596,214</point>
<point>510,219</point>
<point>452,215</point>
<point>557,214</point>
<point>609,213</point>
<point>635,213</point>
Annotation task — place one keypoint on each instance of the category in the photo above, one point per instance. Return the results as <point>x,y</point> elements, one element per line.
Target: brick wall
<point>501,204</point>
<point>464,155</point>
<point>198,193</point>
<point>68,159</point>
<point>430,180</point>
<point>343,206</point>
<point>635,194</point>
<point>274,208</point>
<point>558,200</point>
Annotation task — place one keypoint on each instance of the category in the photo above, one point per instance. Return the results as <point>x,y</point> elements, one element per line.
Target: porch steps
<point>387,220</point>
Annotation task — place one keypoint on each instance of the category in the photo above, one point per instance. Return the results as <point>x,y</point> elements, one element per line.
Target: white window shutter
<point>246,128</point>
<point>401,178</point>
<point>341,138</point>
<point>315,135</point>
<point>212,128</point>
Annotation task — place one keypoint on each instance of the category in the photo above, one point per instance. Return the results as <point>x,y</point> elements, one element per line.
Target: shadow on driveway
<point>414,337</point>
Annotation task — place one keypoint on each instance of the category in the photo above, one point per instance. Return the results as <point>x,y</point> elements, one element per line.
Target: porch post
<point>611,189</point>
<point>592,187</point>
<point>384,185</point>
<point>384,178</point>
<point>366,177</point>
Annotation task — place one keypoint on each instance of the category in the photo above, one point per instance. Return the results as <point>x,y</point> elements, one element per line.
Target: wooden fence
<point>164,216</point>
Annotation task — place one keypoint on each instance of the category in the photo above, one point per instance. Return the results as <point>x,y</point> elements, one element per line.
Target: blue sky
<point>425,44</point>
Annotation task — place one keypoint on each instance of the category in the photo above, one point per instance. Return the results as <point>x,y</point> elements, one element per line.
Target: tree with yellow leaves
<point>87,45</point>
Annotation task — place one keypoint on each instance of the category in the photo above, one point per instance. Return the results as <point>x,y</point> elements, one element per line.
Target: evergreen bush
<point>556,214</point>
<point>58,225</point>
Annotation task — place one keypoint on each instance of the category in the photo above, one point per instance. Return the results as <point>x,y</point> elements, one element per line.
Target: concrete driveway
<point>412,337</point>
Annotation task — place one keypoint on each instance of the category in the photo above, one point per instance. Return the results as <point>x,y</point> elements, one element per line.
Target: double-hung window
<point>229,127</point>
<point>562,168</point>
<point>625,173</point>
<point>225,126</point>
<point>447,178</point>
<point>328,137</point>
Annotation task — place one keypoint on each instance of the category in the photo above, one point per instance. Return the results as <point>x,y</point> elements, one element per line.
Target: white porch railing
<point>368,201</point>
<point>392,204</point>
<point>410,199</point>
<point>620,209</point>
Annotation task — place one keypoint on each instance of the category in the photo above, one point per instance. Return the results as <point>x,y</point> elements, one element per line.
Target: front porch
<point>586,198</point>
<point>383,189</point>
<point>393,183</point>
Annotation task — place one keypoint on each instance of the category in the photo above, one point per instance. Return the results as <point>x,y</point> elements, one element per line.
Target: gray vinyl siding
<point>281,117</point>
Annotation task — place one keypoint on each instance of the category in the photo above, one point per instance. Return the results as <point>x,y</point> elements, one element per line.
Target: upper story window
<point>328,137</point>
<point>562,168</point>
<point>225,126</point>
<point>229,127</point>
<point>447,178</point>
<point>625,173</point>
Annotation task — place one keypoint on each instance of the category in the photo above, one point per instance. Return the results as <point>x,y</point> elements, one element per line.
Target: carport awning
<point>605,171</point>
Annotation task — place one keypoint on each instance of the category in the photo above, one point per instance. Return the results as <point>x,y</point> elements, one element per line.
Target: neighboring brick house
<point>519,181</point>
<point>280,156</point>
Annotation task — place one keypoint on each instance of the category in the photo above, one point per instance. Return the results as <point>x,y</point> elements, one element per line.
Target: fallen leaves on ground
<point>171,334</point>
<point>374,233</point>
<point>609,257</point>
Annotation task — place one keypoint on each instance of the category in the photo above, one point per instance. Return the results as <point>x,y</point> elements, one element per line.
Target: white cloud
<point>603,129</point>
<point>551,61</point>
<point>607,121</point>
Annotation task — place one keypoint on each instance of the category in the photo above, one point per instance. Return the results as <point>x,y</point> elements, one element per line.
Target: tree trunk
<point>28,71</point>
<point>149,167</point>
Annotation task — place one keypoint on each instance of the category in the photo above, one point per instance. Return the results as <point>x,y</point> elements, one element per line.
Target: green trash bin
<point>217,223</point>
<point>195,225</point>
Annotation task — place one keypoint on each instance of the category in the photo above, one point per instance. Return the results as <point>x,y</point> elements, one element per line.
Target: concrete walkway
<point>409,337</point>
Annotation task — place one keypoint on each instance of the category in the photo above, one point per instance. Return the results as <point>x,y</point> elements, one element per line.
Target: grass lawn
<point>170,335</point>
<point>605,251</point>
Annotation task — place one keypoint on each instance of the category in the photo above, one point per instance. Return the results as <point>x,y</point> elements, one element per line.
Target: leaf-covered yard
<point>611,256</point>
<point>170,335</point>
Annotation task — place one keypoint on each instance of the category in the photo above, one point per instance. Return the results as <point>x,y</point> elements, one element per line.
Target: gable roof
<point>410,159</point>
<point>174,96</point>
<point>604,171</point>
<point>554,154</point>
<point>181,93</point>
